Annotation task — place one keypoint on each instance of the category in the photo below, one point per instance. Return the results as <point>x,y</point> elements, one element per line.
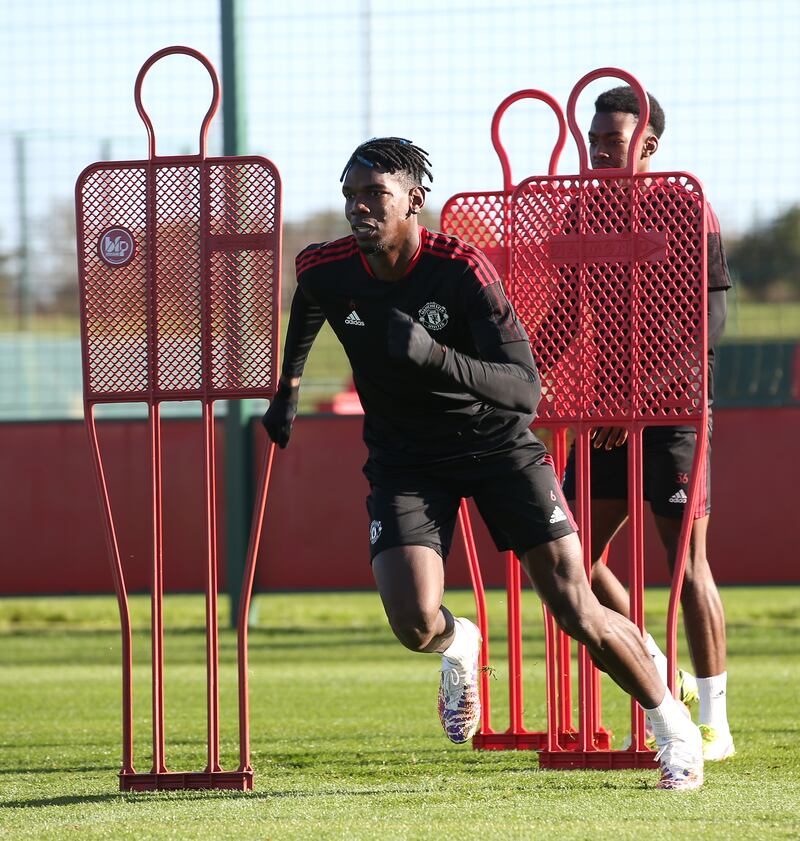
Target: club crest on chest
<point>433,316</point>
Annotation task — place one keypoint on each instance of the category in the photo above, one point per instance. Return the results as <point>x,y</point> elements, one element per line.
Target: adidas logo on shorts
<point>679,497</point>
<point>353,320</point>
<point>558,516</point>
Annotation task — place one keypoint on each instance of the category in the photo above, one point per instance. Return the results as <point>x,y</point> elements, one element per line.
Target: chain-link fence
<point>319,77</point>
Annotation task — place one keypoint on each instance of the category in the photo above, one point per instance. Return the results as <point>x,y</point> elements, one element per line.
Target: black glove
<point>408,339</point>
<point>278,418</point>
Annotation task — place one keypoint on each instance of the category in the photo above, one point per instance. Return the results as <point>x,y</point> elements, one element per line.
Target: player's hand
<point>279,417</point>
<point>408,339</point>
<point>608,437</point>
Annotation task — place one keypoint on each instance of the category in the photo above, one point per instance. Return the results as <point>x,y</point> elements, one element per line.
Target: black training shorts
<point>515,489</point>
<point>668,453</point>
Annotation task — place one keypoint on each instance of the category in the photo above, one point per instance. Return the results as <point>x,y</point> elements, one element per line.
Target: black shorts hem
<point>556,534</point>
<point>672,514</point>
<point>438,548</point>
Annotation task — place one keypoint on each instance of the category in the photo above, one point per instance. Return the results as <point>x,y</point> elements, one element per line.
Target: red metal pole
<point>513,587</point>
<point>563,646</point>
<point>122,595</point>
<point>212,640</point>
<point>698,476</point>
<point>585,684</point>
<point>636,559</point>
<point>157,591</point>
<point>551,675</point>
<point>244,605</point>
<point>564,681</point>
<point>480,607</point>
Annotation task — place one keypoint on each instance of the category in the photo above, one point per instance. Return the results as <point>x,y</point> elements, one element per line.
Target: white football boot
<point>459,700</point>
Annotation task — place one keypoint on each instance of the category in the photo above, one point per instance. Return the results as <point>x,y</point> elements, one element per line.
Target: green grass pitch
<point>345,737</point>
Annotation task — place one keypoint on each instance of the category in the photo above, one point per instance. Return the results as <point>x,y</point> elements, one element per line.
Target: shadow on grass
<point>377,772</point>
<point>334,628</point>
<point>71,800</point>
<point>198,794</point>
<point>88,769</point>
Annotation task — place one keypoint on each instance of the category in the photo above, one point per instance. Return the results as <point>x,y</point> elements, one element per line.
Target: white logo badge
<point>679,497</point>
<point>558,516</point>
<point>116,247</point>
<point>375,530</point>
<point>433,316</point>
<point>353,320</point>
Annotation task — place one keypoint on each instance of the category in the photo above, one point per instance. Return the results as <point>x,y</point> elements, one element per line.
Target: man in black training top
<point>668,454</point>
<point>449,389</point>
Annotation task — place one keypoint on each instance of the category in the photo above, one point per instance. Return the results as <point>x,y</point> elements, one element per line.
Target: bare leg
<point>410,581</point>
<point>556,571</point>
<point>703,615</point>
<point>608,517</point>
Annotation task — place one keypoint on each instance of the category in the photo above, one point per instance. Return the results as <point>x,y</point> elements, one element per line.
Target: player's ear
<point>416,199</point>
<point>650,146</point>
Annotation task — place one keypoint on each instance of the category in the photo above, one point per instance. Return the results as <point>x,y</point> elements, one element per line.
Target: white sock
<point>460,649</point>
<point>713,701</point>
<point>667,719</point>
<point>659,660</point>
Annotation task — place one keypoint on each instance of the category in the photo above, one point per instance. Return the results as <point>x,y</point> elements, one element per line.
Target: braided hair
<point>392,154</point>
<point>625,101</point>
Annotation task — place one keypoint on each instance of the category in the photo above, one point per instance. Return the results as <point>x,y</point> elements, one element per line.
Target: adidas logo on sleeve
<point>558,516</point>
<point>679,497</point>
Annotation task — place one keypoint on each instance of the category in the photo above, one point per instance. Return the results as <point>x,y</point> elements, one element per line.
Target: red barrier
<point>315,536</point>
<point>178,270</point>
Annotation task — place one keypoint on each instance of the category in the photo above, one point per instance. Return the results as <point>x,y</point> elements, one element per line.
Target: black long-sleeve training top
<point>486,391</point>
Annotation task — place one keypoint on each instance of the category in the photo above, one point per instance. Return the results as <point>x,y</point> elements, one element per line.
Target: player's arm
<point>719,278</point>
<point>717,314</point>
<point>504,373</point>
<point>305,321</point>
<point>507,379</point>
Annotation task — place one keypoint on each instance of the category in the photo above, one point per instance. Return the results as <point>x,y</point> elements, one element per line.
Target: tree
<point>57,287</point>
<point>6,284</point>
<point>766,259</point>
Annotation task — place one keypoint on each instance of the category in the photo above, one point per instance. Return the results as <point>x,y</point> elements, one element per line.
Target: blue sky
<point>322,75</point>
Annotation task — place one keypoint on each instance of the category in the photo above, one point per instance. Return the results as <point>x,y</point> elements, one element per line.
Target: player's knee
<point>697,570</point>
<point>414,628</point>
<point>580,625</point>
<point>698,582</point>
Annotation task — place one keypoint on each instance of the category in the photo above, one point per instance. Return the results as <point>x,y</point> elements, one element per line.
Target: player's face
<point>609,138</point>
<point>380,208</point>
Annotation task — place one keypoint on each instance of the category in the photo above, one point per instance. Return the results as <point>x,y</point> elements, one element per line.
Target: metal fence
<point>322,76</point>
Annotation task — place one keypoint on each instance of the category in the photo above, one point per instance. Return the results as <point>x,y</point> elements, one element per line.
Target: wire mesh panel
<point>206,233</point>
<point>479,219</point>
<point>608,274</point>
<point>178,260</point>
<point>607,277</point>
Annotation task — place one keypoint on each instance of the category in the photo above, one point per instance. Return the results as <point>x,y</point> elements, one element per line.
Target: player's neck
<point>393,263</point>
